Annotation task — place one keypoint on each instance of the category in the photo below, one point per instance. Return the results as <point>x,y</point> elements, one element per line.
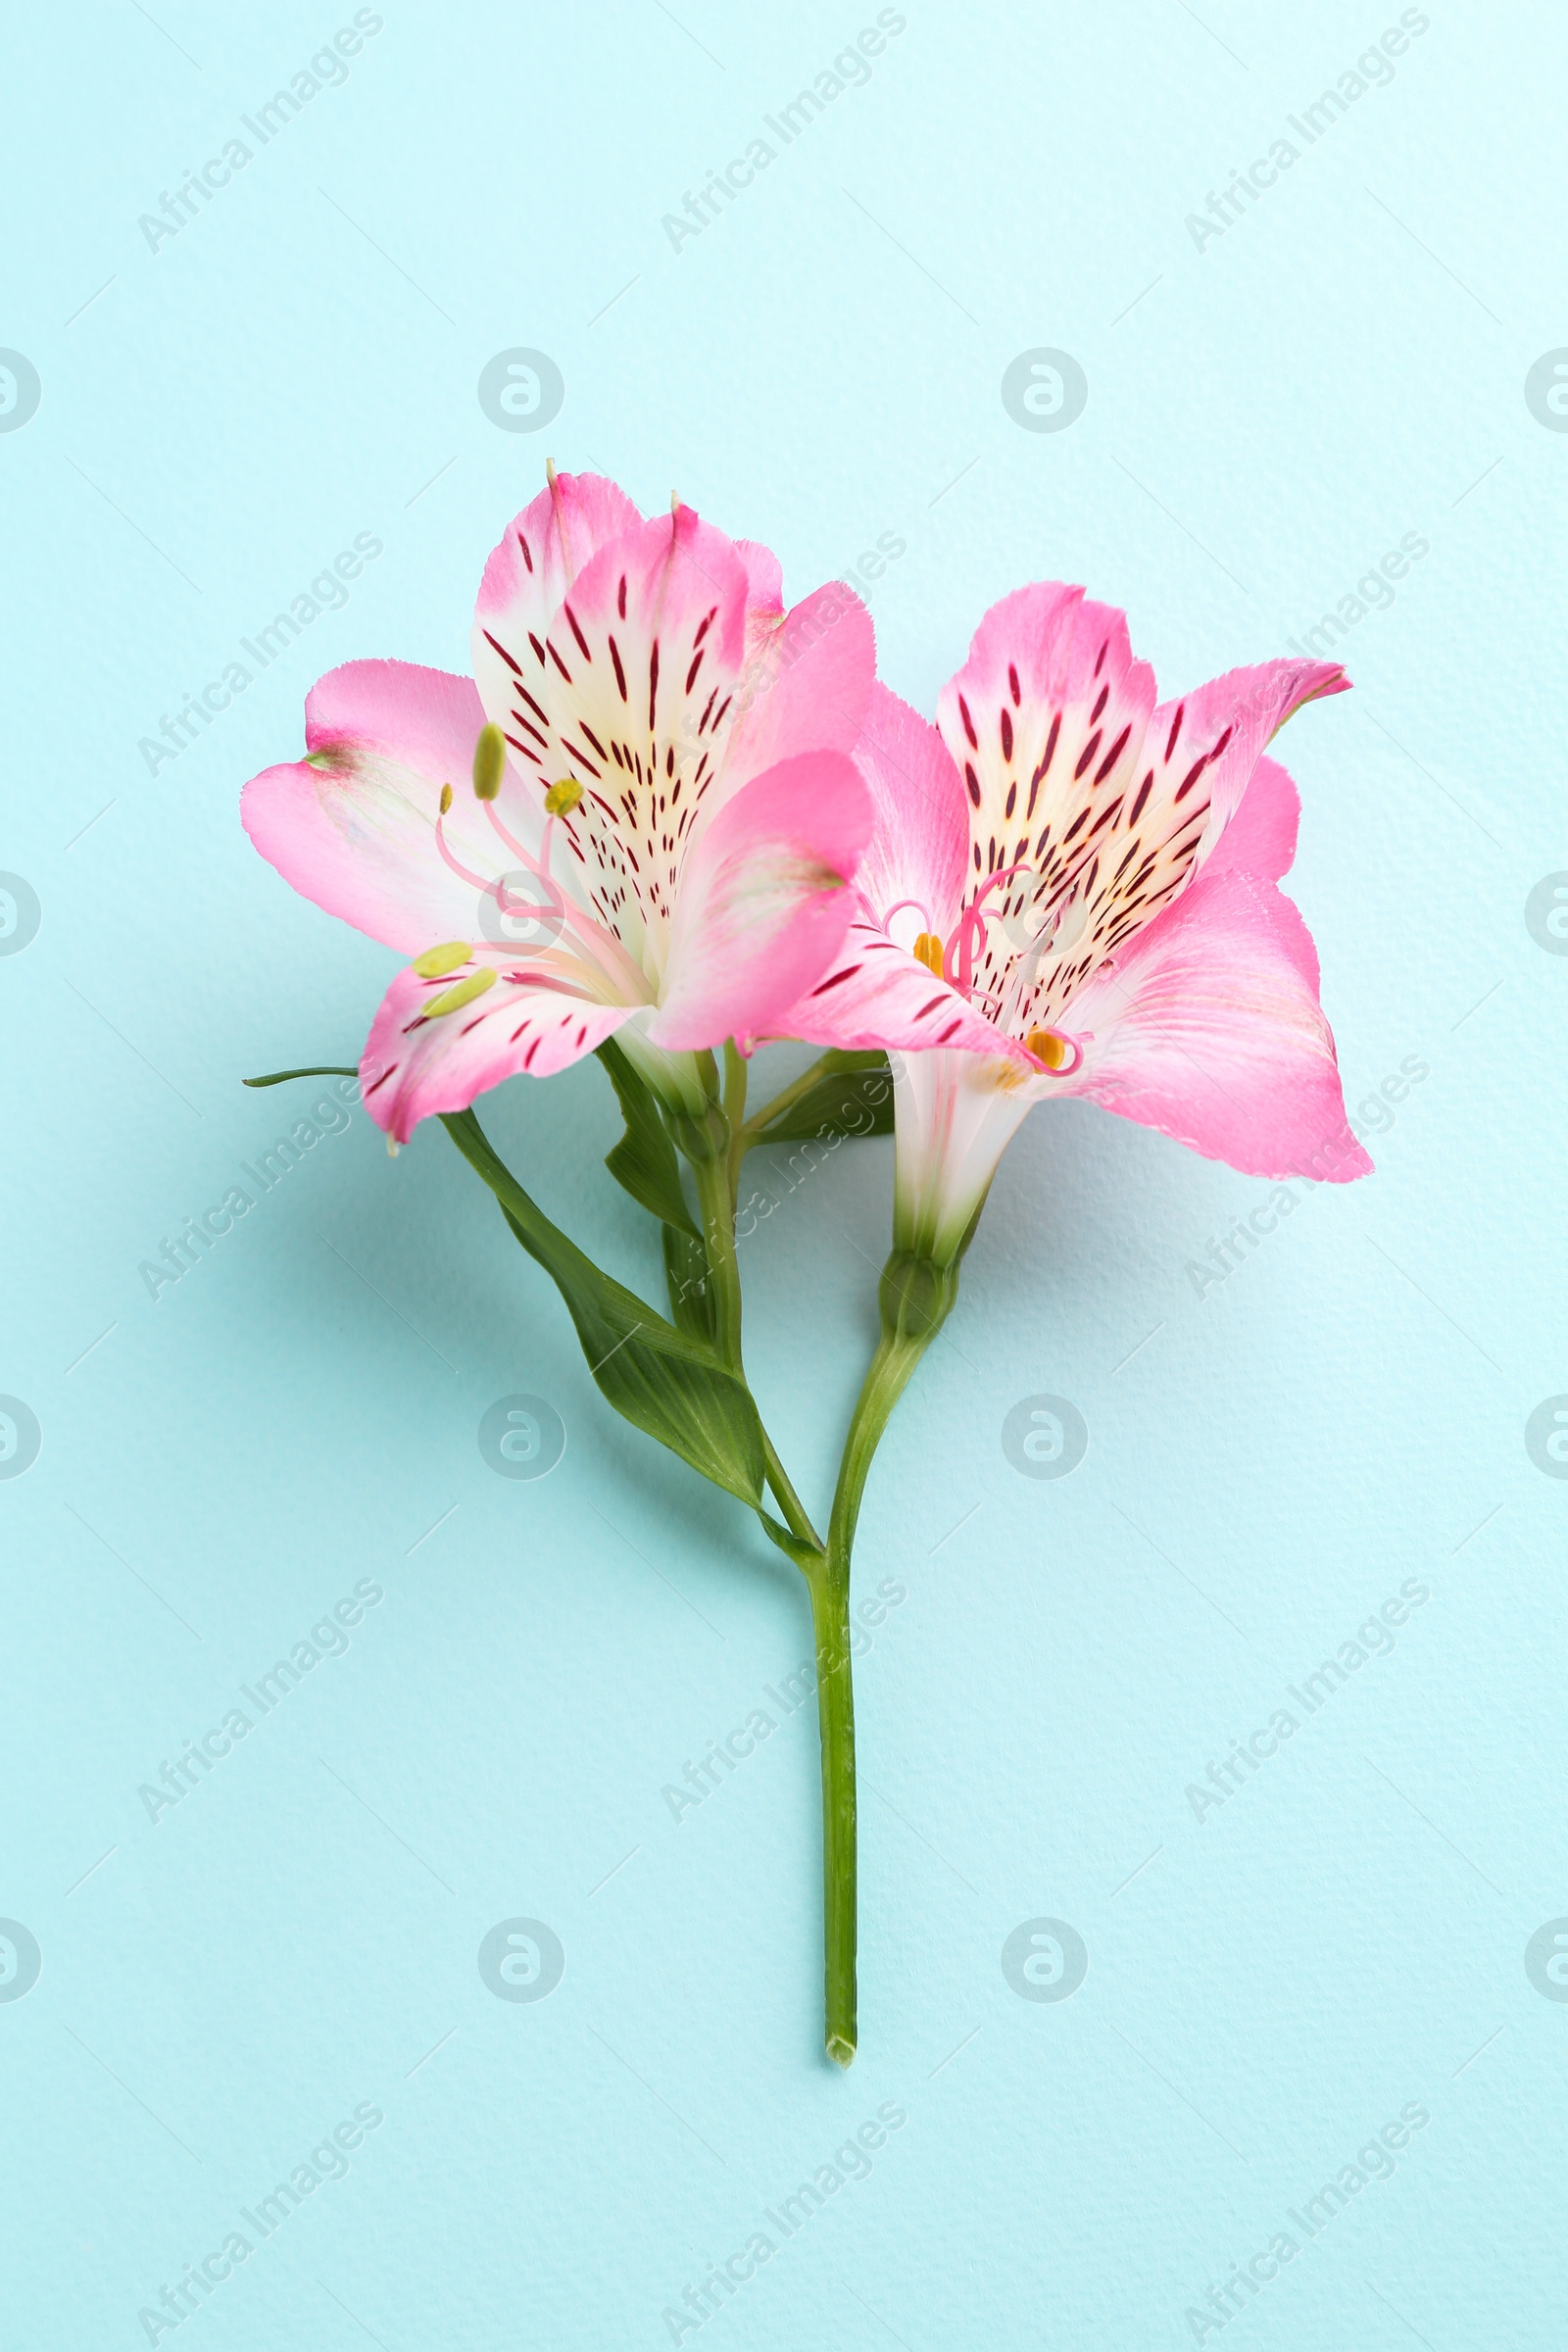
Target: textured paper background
<point>1270,411</point>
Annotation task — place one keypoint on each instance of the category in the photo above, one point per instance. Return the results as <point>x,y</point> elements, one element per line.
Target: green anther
<point>453,1000</point>
<point>446,798</point>
<point>436,962</point>
<point>489,763</point>
<point>562,798</point>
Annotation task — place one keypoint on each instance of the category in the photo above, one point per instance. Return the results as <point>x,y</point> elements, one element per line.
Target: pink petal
<point>415,1066</point>
<point>1204,746</point>
<point>1045,719</point>
<point>875,992</point>
<point>615,649</point>
<point>1261,838</point>
<point>765,591</point>
<point>1209,1027</point>
<point>357,835</point>
<point>630,691</point>
<point>919,847</point>
<point>807,685</point>
<point>766,897</point>
<point>544,549</point>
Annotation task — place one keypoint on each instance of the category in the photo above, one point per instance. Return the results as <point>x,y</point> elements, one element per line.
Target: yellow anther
<point>436,962</point>
<point>489,763</point>
<point>453,1000</point>
<point>928,951</point>
<point>446,798</point>
<point>562,798</point>
<point>1046,1046</point>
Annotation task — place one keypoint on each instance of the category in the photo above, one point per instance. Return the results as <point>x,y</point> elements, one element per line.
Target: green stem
<point>735,1074</point>
<point>716,1215</point>
<point>915,1298</point>
<point>714,1176</point>
<point>754,1130</point>
<point>835,1706</point>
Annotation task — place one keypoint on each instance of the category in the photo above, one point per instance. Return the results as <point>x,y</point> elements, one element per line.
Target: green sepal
<point>915,1295</point>
<point>853,1096</point>
<point>659,1379</point>
<point>693,1301</point>
<point>644,1161</point>
<point>277,1077</point>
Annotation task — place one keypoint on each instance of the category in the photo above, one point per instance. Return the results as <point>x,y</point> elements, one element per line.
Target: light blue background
<point>1266,417</point>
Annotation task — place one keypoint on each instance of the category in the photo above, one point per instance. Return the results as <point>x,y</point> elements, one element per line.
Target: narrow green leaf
<point>661,1380</point>
<point>853,1096</point>
<point>643,1161</point>
<point>277,1077</point>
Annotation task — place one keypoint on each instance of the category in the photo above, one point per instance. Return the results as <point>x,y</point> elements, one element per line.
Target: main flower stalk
<point>915,1297</point>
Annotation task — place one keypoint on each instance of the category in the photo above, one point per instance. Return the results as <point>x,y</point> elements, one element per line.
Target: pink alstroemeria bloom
<point>666,840</point>
<point>1072,891</point>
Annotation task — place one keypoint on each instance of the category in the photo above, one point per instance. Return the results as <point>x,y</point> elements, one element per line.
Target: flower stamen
<point>436,962</point>
<point>489,761</point>
<point>453,1000</point>
<point>1052,1048</point>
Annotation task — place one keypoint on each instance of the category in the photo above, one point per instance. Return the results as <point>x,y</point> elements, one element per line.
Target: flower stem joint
<point>915,1297</point>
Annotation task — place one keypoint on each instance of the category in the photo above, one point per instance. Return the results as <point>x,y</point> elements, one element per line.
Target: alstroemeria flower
<point>656,844</point>
<point>1071,891</point>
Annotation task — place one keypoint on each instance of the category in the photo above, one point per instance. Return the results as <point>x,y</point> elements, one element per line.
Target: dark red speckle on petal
<point>1112,756</point>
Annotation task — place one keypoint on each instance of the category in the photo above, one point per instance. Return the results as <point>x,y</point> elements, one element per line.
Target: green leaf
<point>805,1556</point>
<point>277,1077</point>
<point>852,1096</point>
<point>692,1299</point>
<point>643,1161</point>
<point>660,1379</point>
